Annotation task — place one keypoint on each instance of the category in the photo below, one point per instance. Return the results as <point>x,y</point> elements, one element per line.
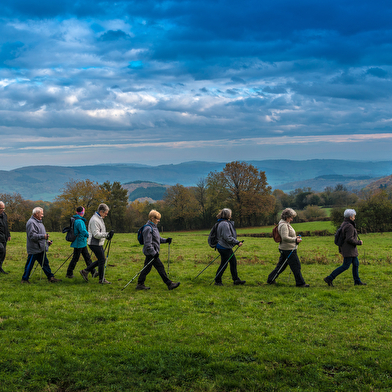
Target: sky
<point>155,82</point>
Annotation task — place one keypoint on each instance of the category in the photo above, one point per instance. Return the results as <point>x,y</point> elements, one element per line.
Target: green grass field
<point>77,336</point>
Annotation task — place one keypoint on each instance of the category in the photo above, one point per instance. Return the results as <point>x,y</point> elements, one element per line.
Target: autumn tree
<point>18,210</point>
<point>86,193</point>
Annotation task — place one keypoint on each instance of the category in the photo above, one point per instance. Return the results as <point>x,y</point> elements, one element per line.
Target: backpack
<point>213,236</point>
<point>140,233</point>
<point>339,236</point>
<point>275,234</point>
<point>70,236</point>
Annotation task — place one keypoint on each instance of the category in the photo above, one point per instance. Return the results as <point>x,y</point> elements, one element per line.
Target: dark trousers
<point>3,251</point>
<point>158,265</point>
<point>347,261</point>
<point>100,255</point>
<point>294,264</point>
<point>225,255</point>
<point>39,257</point>
<point>75,259</point>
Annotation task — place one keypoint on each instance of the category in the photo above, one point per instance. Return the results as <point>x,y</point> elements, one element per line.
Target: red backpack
<point>275,234</point>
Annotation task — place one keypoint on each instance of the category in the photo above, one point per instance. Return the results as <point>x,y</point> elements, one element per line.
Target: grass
<point>75,336</point>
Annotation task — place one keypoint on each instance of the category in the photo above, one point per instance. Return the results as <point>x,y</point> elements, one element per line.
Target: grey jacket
<point>227,236</point>
<point>152,240</point>
<point>96,230</point>
<point>35,232</point>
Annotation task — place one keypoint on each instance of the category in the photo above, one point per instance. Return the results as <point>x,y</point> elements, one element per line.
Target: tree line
<point>239,186</point>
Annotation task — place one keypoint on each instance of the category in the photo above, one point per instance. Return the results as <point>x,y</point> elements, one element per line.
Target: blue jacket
<point>80,232</point>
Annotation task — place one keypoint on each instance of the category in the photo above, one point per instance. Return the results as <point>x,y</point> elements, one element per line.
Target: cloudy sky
<point>85,82</point>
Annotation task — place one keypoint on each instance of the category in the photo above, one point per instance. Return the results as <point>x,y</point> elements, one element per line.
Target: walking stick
<point>223,268</point>
<point>206,267</point>
<point>63,263</point>
<point>283,264</point>
<point>107,256</point>
<point>168,260</point>
<point>138,273</point>
<point>42,266</point>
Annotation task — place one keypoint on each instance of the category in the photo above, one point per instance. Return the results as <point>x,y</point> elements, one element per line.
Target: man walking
<point>37,245</point>
<point>4,236</point>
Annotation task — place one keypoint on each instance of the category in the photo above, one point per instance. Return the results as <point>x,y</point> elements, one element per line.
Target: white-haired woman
<point>227,239</point>
<point>288,250</point>
<point>348,250</point>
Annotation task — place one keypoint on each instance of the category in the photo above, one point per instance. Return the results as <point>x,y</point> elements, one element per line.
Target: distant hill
<point>384,182</point>
<point>46,182</point>
<point>145,190</point>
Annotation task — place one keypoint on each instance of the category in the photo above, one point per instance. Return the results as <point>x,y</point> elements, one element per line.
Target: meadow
<point>78,336</point>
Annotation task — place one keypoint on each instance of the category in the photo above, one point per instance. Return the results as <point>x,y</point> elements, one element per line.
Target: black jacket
<point>4,232</point>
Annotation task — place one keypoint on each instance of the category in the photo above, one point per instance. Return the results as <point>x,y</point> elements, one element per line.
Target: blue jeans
<point>43,262</point>
<point>347,261</point>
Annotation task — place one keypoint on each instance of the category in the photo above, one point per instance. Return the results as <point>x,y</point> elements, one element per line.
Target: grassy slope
<point>75,336</point>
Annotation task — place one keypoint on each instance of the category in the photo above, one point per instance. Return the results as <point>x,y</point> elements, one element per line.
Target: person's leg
<point>3,251</point>
<point>225,254</point>
<point>96,250</point>
<point>87,258</point>
<point>233,266</point>
<point>295,266</point>
<point>280,267</point>
<point>74,260</point>
<point>345,266</point>
<point>28,267</point>
<point>158,265</point>
<point>146,271</point>
<point>44,262</point>
<point>355,263</point>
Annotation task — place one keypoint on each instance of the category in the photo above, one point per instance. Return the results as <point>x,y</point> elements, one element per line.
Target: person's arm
<point>95,230</point>
<point>34,234</point>
<point>147,240</point>
<point>350,236</point>
<point>285,234</point>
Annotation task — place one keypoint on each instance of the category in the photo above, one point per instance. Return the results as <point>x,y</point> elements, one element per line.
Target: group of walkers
<point>95,234</point>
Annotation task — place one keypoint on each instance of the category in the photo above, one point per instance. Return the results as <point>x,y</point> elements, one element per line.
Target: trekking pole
<point>63,263</point>
<point>138,273</point>
<point>168,259</point>
<point>223,268</point>
<point>281,267</point>
<point>206,267</point>
<point>107,256</point>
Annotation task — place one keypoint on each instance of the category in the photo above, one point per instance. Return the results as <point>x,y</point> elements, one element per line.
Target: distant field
<point>77,336</point>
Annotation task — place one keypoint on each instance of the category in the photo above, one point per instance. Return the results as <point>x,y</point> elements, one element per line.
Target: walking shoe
<point>239,281</point>
<point>303,285</point>
<point>328,281</point>
<point>94,274</point>
<point>142,287</point>
<point>359,284</point>
<point>54,280</point>
<point>3,272</point>
<point>273,282</point>
<point>218,284</point>
<point>173,285</point>
<point>84,274</point>
<point>69,276</point>
<point>24,281</point>
<point>104,281</point>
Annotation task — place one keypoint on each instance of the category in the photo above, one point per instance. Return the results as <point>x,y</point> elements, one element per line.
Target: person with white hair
<point>288,250</point>
<point>227,239</point>
<point>37,246</point>
<point>348,250</point>
<point>4,236</point>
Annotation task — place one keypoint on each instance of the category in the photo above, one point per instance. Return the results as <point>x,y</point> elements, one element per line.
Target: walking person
<point>227,239</point>
<point>288,250</point>
<point>80,244</point>
<point>151,246</point>
<point>348,250</point>
<point>5,236</point>
<point>97,235</point>
<point>37,245</point>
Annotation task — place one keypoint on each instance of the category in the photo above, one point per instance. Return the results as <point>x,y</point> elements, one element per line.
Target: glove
<point>156,255</point>
<point>169,240</point>
<point>110,235</point>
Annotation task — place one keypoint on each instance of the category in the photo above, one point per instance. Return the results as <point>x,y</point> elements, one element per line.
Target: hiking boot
<point>359,284</point>
<point>328,281</point>
<point>94,274</point>
<point>104,281</point>
<point>218,284</point>
<point>173,285</point>
<point>84,274</point>
<point>24,281</point>
<point>142,287</point>
<point>54,280</point>
<point>239,281</point>
<point>303,285</point>
<point>69,276</point>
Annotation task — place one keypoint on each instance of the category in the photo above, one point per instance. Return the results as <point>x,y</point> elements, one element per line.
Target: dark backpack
<point>140,233</point>
<point>275,234</point>
<point>339,236</point>
<point>70,236</point>
<point>213,236</point>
